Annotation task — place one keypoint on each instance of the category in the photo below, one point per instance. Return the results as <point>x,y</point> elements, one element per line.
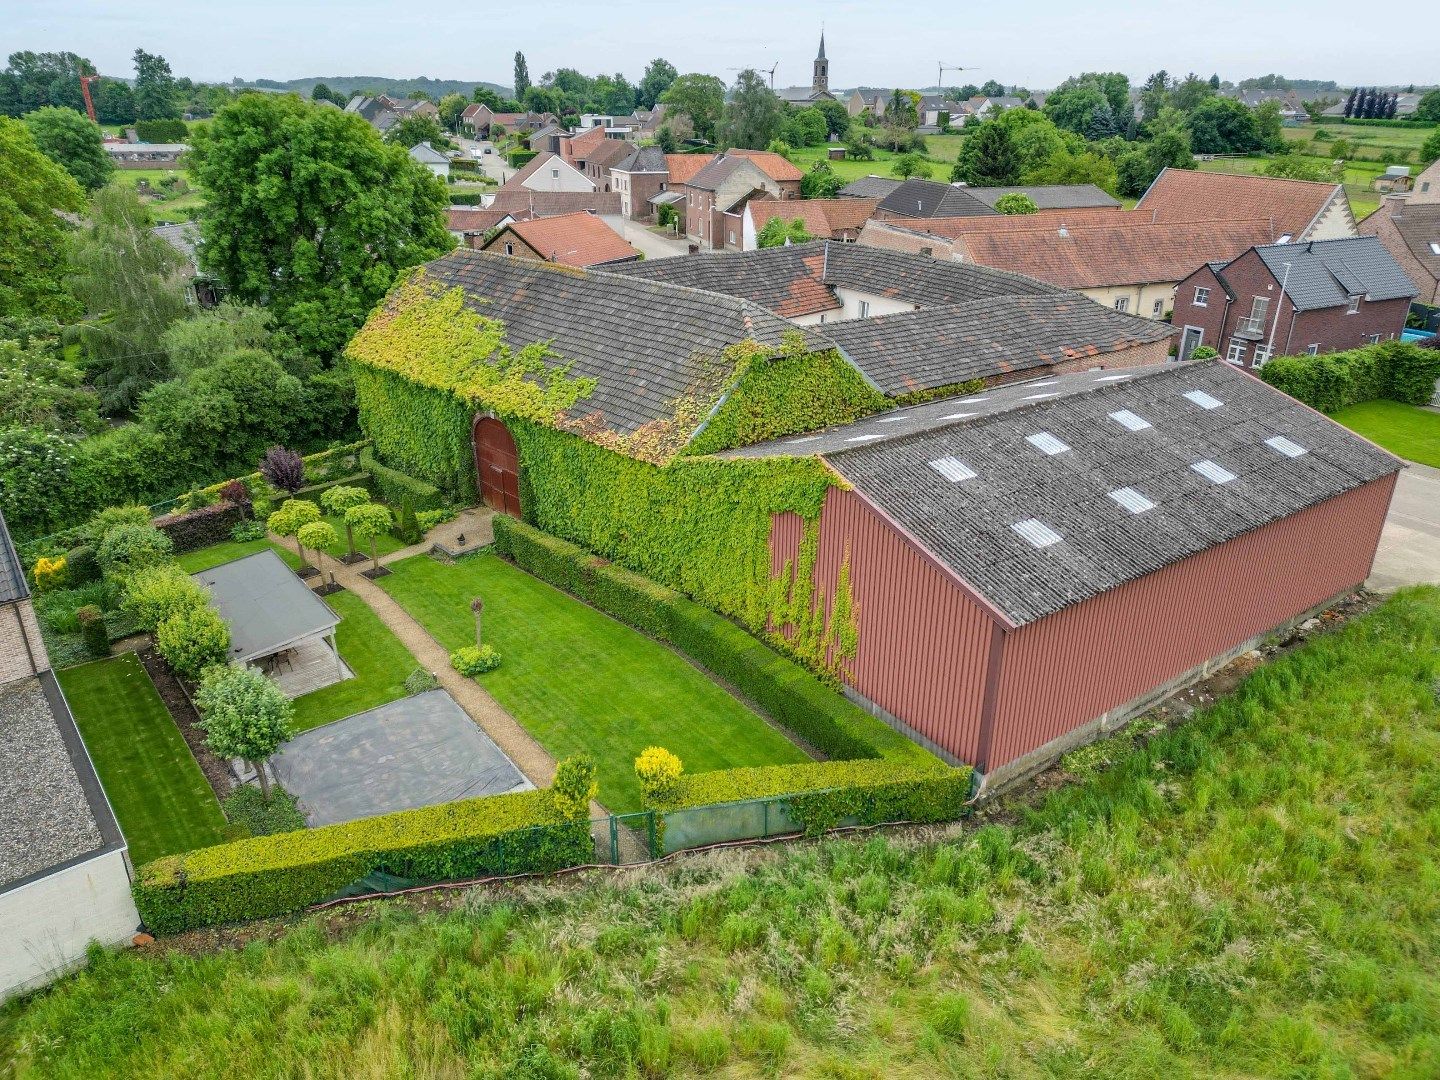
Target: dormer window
<point>1354,305</point>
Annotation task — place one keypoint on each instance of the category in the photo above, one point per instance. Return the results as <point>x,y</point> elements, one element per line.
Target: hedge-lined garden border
<point>1397,370</point>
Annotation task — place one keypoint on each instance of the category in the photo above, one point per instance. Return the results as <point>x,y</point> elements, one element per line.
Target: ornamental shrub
<point>82,565</point>
<point>428,519</point>
<point>1397,370</point>
<point>285,469</point>
<point>575,787</point>
<point>1016,202</point>
<point>190,530</point>
<point>50,574</point>
<point>192,639</point>
<point>94,530</point>
<point>93,631</point>
<point>244,714</point>
<point>1204,352</point>
<point>658,771</point>
<point>128,548</point>
<point>407,526</point>
<point>419,681</point>
<point>471,660</point>
<point>253,529</point>
<point>152,595</point>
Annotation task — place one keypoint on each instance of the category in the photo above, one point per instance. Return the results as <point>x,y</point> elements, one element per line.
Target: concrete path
<point>1409,551</point>
<point>643,240</point>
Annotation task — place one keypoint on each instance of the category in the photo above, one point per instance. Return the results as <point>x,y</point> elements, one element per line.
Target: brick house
<point>1282,299</point>
<point>578,239</point>
<point>715,198</point>
<point>1409,227</point>
<point>638,178</point>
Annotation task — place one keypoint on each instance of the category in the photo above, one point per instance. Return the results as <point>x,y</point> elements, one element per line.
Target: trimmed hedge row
<point>287,872</point>
<point>394,486</point>
<point>194,529</point>
<point>820,795</point>
<point>783,690</point>
<point>1396,370</point>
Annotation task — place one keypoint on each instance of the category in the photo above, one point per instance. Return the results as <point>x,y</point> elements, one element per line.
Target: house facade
<point>715,197</point>
<point>436,163</point>
<point>1284,299</point>
<point>1409,227</point>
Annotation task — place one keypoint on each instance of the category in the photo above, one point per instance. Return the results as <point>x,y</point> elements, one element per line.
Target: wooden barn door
<point>497,465</point>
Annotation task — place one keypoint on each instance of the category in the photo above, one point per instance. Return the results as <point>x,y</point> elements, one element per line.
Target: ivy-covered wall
<point>419,430</point>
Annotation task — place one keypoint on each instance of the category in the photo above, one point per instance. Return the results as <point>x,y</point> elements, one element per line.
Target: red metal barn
<point>1033,564</point>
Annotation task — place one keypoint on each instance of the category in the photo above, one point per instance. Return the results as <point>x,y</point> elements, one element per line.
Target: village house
<point>1409,227</point>
<point>141,155</point>
<point>579,239</point>
<point>716,194</point>
<point>469,225</point>
<point>1280,299</point>
<point>867,100</point>
<point>824,219</point>
<point>383,112</point>
<point>548,171</point>
<point>433,160</point>
<point>1301,209</point>
<point>928,199</point>
<point>480,118</point>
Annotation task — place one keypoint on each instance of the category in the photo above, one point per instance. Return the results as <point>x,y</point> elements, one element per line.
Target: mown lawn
<point>381,665</point>
<point>228,551</point>
<point>1405,430</point>
<point>1254,894</point>
<point>579,681</point>
<point>160,797</point>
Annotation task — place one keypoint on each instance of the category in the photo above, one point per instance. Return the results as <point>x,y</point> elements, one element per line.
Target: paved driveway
<point>642,239</point>
<point>1410,545</point>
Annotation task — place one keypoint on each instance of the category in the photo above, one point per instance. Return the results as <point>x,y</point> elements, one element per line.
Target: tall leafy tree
<point>753,115</point>
<point>114,102</point>
<point>837,117</point>
<point>413,130</point>
<point>73,142</point>
<point>342,213</point>
<point>699,97</point>
<point>451,106</point>
<point>1427,109</point>
<point>322,92</point>
<point>32,236</point>
<point>1223,126</point>
<point>522,75</point>
<point>1073,108</point>
<point>32,80</point>
<point>659,74</point>
<point>129,281</point>
<point>988,157</point>
<point>156,96</point>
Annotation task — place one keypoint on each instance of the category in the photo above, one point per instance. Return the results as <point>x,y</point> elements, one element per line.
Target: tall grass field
<point>1254,893</point>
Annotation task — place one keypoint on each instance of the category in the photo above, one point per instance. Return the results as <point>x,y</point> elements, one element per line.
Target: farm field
<point>1251,894</point>
<point>579,681</point>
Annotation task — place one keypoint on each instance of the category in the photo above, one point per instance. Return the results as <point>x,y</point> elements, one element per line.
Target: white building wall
<point>46,924</point>
<point>851,302</point>
<point>558,175</point>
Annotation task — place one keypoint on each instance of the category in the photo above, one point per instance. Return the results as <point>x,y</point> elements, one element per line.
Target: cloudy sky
<point>882,44</point>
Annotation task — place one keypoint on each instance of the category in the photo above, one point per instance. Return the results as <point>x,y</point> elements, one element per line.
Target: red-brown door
<point>497,465</point>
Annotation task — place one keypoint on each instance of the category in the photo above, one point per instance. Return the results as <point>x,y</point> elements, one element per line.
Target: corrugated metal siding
<point>1065,670</point>
<point>786,531</point>
<point>923,645</point>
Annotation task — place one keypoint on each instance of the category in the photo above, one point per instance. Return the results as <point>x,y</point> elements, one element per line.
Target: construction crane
<point>944,67</point>
<point>85,81</point>
<point>771,71</point>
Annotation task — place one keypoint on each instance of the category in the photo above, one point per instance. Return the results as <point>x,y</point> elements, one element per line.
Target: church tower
<point>821,81</point>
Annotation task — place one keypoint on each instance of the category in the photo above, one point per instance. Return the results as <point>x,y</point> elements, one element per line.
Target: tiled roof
<point>608,153</point>
<point>1191,195</point>
<point>786,280</point>
<point>646,159</point>
<point>926,199</point>
<point>971,491</point>
<point>772,165</point>
<point>13,585</point>
<point>684,166</point>
<point>427,154</point>
<point>1049,196</point>
<point>870,187</point>
<point>579,147</point>
<point>1326,273</point>
<point>1419,228</point>
<point>570,239</point>
<point>469,219</point>
<point>719,170</point>
<point>1127,251</point>
<point>940,346</point>
<point>922,281</point>
<point>645,344</point>
<point>952,227</point>
<point>550,203</point>
<point>529,169</point>
<point>822,217</point>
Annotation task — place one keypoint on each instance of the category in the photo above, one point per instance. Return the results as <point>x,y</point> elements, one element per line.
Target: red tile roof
<point>684,166</point>
<point>551,203</point>
<point>952,227</point>
<point>570,239</point>
<point>1190,195</point>
<point>772,165</point>
<point>474,219</point>
<point>823,218</point>
<point>578,147</point>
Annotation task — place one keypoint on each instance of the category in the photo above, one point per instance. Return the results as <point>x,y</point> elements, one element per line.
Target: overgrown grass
<point>380,662</point>
<point>1254,894</point>
<point>1404,430</point>
<point>579,681</point>
<point>161,798</point>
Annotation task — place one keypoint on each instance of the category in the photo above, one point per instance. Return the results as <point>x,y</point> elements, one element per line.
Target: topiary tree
<point>192,639</point>
<point>318,536</point>
<point>336,501</point>
<point>155,593</point>
<point>244,715</point>
<point>128,548</point>
<point>575,787</point>
<point>1016,202</point>
<point>93,630</point>
<point>658,771</point>
<point>293,515</point>
<point>368,522</point>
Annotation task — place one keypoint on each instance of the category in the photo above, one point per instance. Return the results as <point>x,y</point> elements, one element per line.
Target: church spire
<point>820,84</point>
<point>821,54</point>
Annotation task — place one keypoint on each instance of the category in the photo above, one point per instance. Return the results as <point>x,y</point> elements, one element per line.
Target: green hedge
<point>162,131</point>
<point>820,795</point>
<point>394,487</point>
<point>1396,370</point>
<point>287,872</point>
<point>781,688</point>
<point>517,159</point>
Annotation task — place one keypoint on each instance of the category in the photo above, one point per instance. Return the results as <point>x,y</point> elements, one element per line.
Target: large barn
<point>992,511</point>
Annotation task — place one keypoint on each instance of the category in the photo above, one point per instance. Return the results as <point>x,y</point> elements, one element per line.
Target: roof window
<point>953,469</point>
<point>1204,400</point>
<point>1037,397</point>
<point>1112,378</point>
<point>1215,473</point>
<point>1286,447</point>
<point>866,438</point>
<point>1046,443</point>
<point>1129,420</point>
<point>1036,532</point>
<point>1132,500</point>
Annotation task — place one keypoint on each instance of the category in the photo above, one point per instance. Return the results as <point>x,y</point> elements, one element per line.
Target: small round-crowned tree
<point>318,536</point>
<point>337,500</point>
<point>369,521</point>
<point>244,715</point>
<point>293,515</point>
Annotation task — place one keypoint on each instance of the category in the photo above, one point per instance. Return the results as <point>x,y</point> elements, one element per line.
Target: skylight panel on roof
<point>1213,472</point>
<point>1046,443</point>
<point>1036,532</point>
<point>1037,397</point>
<point>972,400</point>
<point>1204,400</point>
<point>957,416</point>
<point>1129,420</point>
<point>1112,378</point>
<point>953,469</point>
<point>866,438</point>
<point>1286,447</point>
<point>891,419</point>
<point>1132,500</point>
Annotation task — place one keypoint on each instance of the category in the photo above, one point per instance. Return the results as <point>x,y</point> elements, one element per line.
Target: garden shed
<point>276,623</point>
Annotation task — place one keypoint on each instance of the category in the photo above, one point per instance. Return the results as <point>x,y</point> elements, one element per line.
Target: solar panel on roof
<point>1129,420</point>
<point>1285,446</point>
<point>1211,471</point>
<point>953,469</point>
<point>1036,532</point>
<point>1204,400</point>
<point>1046,443</point>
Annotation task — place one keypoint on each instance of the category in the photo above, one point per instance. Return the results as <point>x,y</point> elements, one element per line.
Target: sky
<point>877,44</point>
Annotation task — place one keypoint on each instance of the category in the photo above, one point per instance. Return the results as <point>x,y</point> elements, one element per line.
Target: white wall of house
<point>1336,222</point>
<point>859,305</point>
<point>46,924</point>
<point>558,175</point>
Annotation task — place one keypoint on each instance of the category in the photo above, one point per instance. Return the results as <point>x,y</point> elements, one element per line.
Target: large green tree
<point>699,97</point>
<point>1430,149</point>
<point>31,80</point>
<point>1427,110</point>
<point>413,130</point>
<point>988,158</point>
<point>73,142</point>
<point>114,102</point>
<point>156,95</point>
<point>129,280</point>
<point>753,115</point>
<point>451,106</point>
<point>522,75</point>
<point>659,74</point>
<point>32,236</point>
<point>1223,126</point>
<point>308,211</point>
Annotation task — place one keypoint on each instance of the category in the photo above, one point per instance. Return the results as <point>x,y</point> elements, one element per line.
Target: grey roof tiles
<point>1326,273</point>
